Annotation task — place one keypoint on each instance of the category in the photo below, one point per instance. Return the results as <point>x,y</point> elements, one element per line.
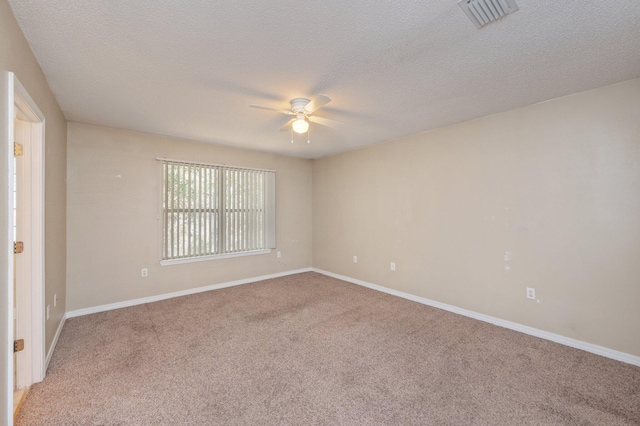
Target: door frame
<point>30,297</point>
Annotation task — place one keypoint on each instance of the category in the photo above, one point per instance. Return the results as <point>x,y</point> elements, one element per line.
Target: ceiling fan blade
<point>325,122</point>
<point>287,125</point>
<point>317,103</point>
<point>283,111</point>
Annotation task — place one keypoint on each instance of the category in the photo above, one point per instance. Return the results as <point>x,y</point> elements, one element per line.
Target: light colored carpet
<point>309,349</point>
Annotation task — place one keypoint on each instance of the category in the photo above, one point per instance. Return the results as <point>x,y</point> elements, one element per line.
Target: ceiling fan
<point>302,110</point>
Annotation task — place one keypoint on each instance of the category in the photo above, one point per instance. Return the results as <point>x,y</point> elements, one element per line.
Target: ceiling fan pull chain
<point>308,137</point>
<point>292,135</point>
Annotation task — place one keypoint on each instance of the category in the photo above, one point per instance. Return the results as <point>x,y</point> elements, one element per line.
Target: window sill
<point>215,257</point>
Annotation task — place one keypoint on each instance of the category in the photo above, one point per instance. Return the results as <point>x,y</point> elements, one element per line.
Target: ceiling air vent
<point>483,12</point>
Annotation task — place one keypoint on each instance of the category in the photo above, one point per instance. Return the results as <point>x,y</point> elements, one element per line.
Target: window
<point>212,211</point>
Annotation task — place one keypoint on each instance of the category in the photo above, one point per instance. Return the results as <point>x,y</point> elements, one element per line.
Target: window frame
<point>268,207</point>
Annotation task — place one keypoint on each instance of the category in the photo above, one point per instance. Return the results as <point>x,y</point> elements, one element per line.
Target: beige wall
<point>555,184</point>
<point>16,56</point>
<point>113,202</point>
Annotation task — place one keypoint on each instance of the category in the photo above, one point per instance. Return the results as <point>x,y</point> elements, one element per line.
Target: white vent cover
<point>483,12</point>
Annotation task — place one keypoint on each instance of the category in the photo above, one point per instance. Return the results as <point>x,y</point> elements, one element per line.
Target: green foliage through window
<point>211,210</point>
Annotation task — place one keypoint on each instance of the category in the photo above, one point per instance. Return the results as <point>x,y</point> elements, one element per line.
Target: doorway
<point>26,222</point>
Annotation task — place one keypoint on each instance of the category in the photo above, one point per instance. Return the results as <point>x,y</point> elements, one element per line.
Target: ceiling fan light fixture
<point>300,125</point>
<point>302,110</point>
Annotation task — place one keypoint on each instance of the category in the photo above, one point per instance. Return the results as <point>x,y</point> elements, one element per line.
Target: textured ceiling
<point>393,68</point>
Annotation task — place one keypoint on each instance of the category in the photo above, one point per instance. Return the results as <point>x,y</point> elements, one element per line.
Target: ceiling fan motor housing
<point>298,104</point>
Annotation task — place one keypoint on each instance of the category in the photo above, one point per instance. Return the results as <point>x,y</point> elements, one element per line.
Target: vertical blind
<point>212,210</point>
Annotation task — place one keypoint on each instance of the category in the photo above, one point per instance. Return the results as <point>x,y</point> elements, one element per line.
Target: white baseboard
<point>53,344</point>
<point>150,299</point>
<point>567,341</point>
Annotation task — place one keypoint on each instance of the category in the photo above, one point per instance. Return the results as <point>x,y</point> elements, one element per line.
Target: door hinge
<point>18,247</point>
<point>17,149</point>
<point>18,345</point>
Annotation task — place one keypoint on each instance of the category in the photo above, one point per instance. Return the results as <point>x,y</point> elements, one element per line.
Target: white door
<point>21,257</point>
<point>29,270</point>
<point>23,122</point>
<point>15,283</point>
<point>21,268</point>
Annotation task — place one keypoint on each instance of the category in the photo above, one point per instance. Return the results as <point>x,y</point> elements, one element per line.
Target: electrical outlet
<point>279,255</point>
<point>47,312</point>
<point>531,293</point>
<point>393,266</point>
<point>55,299</point>
<point>145,272</point>
<point>355,259</point>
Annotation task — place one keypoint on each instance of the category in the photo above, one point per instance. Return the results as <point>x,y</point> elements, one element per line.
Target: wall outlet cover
<point>531,293</point>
